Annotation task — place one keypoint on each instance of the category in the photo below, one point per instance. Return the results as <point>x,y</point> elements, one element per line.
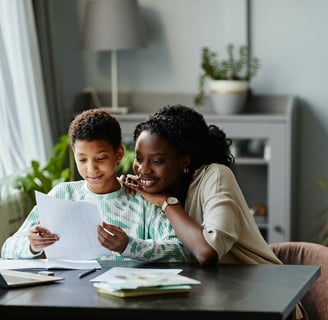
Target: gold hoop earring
<point>184,170</point>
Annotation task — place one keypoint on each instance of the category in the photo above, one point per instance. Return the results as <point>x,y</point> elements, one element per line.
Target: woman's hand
<point>40,238</point>
<point>112,237</point>
<point>131,183</point>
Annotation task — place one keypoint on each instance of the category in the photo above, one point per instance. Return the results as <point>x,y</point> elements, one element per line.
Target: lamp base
<point>116,110</point>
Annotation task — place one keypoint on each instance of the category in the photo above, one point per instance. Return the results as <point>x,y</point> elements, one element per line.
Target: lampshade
<point>113,25</point>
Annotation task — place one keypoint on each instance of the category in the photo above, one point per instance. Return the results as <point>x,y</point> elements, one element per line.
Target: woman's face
<point>157,164</point>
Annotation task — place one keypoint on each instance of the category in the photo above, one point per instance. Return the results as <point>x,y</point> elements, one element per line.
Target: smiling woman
<point>25,133</point>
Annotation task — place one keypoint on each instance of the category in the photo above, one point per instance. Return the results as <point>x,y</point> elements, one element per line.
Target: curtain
<point>25,130</point>
<point>45,21</point>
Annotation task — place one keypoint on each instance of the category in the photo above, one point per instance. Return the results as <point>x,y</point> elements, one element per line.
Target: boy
<point>132,227</point>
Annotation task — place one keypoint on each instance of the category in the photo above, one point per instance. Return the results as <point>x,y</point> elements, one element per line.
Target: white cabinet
<point>267,177</point>
<point>266,174</point>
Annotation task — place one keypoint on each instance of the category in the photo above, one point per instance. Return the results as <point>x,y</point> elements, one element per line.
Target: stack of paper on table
<point>105,290</point>
<point>132,282</point>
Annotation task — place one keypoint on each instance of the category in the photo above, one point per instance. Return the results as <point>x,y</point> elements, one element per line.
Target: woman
<point>182,165</point>
<point>178,155</point>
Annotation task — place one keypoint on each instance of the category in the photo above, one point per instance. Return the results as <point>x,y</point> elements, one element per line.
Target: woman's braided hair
<point>187,131</point>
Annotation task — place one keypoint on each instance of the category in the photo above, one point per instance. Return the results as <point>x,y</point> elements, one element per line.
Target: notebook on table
<point>16,279</point>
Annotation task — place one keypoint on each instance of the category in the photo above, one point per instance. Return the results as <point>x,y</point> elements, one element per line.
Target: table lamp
<point>113,25</point>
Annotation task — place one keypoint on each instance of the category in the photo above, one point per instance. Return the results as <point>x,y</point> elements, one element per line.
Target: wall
<point>288,36</point>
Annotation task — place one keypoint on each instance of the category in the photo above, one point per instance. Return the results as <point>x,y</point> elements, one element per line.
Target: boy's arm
<point>17,246</point>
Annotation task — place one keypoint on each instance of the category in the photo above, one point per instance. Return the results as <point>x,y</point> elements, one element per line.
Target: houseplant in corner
<point>228,80</point>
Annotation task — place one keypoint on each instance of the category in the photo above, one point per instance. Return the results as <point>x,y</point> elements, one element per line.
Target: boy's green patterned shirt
<point>151,236</point>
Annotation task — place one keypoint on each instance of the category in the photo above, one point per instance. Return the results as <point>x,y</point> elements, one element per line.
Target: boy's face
<point>97,163</point>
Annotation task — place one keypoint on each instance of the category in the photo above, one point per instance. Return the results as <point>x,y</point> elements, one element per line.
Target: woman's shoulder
<point>211,176</point>
<point>213,169</point>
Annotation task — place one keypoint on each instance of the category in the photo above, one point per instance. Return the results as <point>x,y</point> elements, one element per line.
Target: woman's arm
<point>191,235</point>
<point>187,230</point>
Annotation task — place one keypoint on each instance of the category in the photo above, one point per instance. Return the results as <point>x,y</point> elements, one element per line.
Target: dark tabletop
<point>226,292</point>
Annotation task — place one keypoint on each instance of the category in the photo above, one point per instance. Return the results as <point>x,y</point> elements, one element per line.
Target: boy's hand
<point>40,238</point>
<point>112,237</point>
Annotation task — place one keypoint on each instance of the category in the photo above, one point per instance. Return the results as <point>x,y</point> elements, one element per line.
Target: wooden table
<point>227,292</point>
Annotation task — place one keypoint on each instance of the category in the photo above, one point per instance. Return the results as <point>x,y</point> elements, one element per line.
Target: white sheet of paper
<point>48,264</point>
<point>75,222</point>
<point>109,276</point>
<point>132,278</point>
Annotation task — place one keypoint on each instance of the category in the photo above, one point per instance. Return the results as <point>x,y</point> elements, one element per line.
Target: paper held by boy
<point>75,222</point>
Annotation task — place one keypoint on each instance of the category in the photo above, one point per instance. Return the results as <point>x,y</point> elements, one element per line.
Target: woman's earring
<point>185,170</point>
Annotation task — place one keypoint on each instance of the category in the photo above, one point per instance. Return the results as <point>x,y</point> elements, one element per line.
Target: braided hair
<point>187,131</point>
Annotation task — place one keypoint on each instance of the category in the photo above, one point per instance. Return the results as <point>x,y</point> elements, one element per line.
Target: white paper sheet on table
<point>75,222</point>
<point>110,275</point>
<point>48,264</point>
<point>119,278</point>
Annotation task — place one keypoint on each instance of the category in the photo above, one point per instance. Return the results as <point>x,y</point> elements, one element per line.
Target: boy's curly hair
<point>95,124</point>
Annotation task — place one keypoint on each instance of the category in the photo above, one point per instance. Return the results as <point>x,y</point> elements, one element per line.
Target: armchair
<point>315,301</point>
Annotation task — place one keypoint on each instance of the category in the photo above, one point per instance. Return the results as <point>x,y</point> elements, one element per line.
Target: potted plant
<point>228,80</point>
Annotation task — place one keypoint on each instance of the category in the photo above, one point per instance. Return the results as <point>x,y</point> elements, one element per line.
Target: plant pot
<point>228,96</point>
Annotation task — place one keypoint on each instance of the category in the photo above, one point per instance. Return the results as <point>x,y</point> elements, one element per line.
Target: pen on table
<point>81,275</point>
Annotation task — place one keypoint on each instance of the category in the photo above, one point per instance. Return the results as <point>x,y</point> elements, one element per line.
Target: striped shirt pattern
<point>151,236</point>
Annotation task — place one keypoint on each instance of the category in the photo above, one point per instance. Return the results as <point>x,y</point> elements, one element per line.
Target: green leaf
<point>125,165</point>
